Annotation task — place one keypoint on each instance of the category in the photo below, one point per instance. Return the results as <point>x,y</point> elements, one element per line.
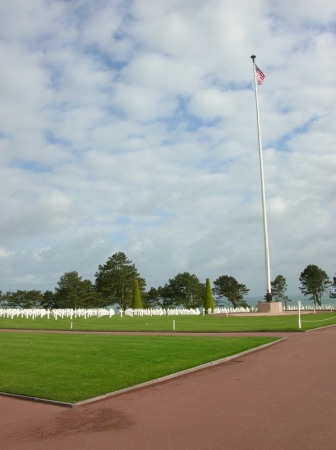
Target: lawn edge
<point>140,385</point>
<point>37,399</point>
<point>320,328</point>
<point>176,374</point>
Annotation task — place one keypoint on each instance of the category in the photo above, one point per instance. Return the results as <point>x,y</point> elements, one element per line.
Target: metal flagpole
<point>267,258</point>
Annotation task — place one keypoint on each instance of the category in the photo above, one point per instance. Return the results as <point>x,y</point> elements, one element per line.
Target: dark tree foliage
<point>333,294</point>
<point>228,287</point>
<point>165,299</point>
<point>115,280</point>
<point>183,290</point>
<point>279,288</point>
<point>23,299</point>
<point>74,292</point>
<point>49,300</point>
<point>151,298</point>
<point>314,282</point>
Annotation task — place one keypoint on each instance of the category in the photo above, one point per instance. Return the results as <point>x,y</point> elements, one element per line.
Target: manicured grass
<point>74,367</point>
<point>182,323</point>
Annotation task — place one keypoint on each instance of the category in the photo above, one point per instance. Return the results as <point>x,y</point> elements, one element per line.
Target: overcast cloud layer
<point>131,126</point>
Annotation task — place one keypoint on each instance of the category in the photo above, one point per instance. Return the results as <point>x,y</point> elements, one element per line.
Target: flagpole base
<point>270,307</point>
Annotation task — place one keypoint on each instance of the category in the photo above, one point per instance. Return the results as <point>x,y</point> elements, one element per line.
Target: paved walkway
<point>281,397</point>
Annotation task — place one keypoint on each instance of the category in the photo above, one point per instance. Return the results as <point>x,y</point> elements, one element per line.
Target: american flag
<point>260,75</point>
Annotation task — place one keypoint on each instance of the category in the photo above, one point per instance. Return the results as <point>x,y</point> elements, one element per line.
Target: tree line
<point>119,282</point>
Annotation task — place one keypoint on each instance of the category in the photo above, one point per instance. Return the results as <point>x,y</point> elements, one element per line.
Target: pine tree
<point>137,303</point>
<point>115,280</point>
<point>208,298</point>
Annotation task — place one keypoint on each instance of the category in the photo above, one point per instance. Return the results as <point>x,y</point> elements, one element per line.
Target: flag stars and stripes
<point>260,76</point>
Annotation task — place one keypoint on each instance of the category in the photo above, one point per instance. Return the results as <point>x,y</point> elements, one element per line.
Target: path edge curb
<point>141,385</point>
<point>177,374</point>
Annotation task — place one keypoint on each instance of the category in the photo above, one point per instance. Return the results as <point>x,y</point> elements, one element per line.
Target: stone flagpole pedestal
<point>270,307</point>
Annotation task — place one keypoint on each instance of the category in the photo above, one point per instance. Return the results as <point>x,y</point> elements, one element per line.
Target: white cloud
<point>130,126</point>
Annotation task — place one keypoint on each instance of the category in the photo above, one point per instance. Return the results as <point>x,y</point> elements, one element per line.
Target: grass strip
<point>71,368</point>
<point>210,323</point>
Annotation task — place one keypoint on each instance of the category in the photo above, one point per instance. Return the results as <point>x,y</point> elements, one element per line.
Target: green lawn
<point>74,367</point>
<point>182,323</point>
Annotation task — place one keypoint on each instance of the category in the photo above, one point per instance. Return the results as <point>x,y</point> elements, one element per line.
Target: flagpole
<point>263,198</point>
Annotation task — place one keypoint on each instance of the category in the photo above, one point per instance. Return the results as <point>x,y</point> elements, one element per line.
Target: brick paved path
<point>282,397</point>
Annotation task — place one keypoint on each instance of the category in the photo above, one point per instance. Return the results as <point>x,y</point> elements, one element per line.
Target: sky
<point>131,126</point>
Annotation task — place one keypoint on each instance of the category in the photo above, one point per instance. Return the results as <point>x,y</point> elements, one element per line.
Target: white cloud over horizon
<point>130,126</point>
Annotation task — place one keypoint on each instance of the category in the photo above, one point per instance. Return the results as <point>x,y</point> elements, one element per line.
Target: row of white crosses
<point>100,312</point>
<point>311,307</point>
<point>160,312</point>
<point>229,310</point>
<point>70,313</point>
<point>55,313</point>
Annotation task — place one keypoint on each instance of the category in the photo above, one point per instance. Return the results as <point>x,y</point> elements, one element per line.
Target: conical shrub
<point>208,298</point>
<point>137,303</point>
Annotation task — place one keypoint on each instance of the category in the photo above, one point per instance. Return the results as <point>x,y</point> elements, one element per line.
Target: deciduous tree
<point>279,288</point>
<point>314,282</point>
<point>227,286</point>
<point>74,292</point>
<point>49,300</point>
<point>151,298</point>
<point>184,289</point>
<point>23,299</point>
